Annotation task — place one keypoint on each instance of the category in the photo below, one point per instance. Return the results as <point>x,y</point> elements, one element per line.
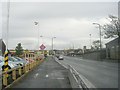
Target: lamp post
<point>52,44</point>
<point>37,23</point>
<point>100,33</point>
<point>90,42</point>
<point>100,37</point>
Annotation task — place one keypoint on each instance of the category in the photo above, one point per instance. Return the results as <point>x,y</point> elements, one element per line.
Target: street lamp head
<point>36,23</point>
<point>93,23</point>
<point>96,23</point>
<point>41,36</point>
<point>53,37</point>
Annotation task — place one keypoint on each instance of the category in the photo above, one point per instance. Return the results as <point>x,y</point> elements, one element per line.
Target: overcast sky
<point>69,22</point>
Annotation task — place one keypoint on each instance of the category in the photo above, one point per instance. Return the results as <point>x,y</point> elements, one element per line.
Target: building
<point>2,47</point>
<point>113,49</point>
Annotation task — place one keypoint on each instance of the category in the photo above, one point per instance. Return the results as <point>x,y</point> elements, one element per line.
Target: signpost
<point>42,47</point>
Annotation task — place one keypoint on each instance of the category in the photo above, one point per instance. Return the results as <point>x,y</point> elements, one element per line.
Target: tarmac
<point>49,74</point>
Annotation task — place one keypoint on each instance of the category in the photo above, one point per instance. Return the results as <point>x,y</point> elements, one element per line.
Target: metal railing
<point>77,81</point>
<point>12,75</point>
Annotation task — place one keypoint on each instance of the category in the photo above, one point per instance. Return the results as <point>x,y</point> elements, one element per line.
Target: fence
<point>78,81</point>
<point>95,55</point>
<point>11,76</point>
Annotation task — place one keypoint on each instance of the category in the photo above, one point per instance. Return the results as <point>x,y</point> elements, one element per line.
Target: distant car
<point>60,57</point>
<point>57,55</point>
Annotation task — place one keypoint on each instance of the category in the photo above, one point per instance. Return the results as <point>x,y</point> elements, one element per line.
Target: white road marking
<point>46,76</point>
<point>60,78</point>
<point>35,76</point>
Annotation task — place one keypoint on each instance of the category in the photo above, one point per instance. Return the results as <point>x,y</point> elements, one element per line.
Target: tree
<point>19,49</point>
<point>96,44</point>
<point>113,28</point>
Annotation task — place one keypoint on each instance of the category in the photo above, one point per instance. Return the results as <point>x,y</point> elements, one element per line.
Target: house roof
<point>116,40</point>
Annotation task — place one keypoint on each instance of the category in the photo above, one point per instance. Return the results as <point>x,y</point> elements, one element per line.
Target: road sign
<point>42,47</point>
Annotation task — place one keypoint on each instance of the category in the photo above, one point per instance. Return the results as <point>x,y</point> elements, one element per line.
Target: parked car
<point>15,61</point>
<point>10,63</point>
<point>21,61</point>
<point>60,57</point>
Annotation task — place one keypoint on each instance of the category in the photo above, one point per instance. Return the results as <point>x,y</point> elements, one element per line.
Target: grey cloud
<point>34,10</point>
<point>67,21</point>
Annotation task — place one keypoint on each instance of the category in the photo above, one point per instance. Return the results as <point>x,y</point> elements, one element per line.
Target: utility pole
<point>37,23</point>
<point>100,38</point>
<point>90,42</point>
<point>5,67</point>
<point>99,33</point>
<point>52,44</point>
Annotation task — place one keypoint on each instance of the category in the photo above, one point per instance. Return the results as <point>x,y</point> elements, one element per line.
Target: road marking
<point>46,76</point>
<point>35,76</point>
<point>60,78</point>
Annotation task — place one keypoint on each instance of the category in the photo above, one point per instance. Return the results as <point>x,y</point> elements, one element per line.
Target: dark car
<point>57,55</point>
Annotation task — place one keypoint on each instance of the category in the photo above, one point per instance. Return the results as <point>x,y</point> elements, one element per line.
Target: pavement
<point>100,74</point>
<point>49,74</point>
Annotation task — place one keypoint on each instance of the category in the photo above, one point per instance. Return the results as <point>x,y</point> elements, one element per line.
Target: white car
<point>10,63</point>
<point>60,57</point>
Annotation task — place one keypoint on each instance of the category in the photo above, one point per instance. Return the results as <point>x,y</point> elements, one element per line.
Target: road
<point>100,74</point>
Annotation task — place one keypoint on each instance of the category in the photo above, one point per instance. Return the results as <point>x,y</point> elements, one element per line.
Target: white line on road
<point>35,76</point>
<point>60,78</point>
<point>46,75</point>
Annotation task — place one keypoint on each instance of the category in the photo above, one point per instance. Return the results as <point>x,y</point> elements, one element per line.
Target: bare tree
<point>96,44</point>
<point>113,29</point>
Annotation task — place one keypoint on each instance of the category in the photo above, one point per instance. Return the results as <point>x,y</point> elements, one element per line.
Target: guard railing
<point>12,75</point>
<point>78,81</point>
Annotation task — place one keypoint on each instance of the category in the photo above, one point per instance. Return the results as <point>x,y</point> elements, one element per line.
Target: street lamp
<point>37,23</point>
<point>52,44</point>
<point>100,33</point>
<point>90,42</point>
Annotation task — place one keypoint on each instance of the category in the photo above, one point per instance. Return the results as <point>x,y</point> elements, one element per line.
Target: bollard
<point>5,76</point>
<point>20,73</point>
<point>14,74</point>
<point>30,66</point>
<point>34,64</point>
<point>25,68</point>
